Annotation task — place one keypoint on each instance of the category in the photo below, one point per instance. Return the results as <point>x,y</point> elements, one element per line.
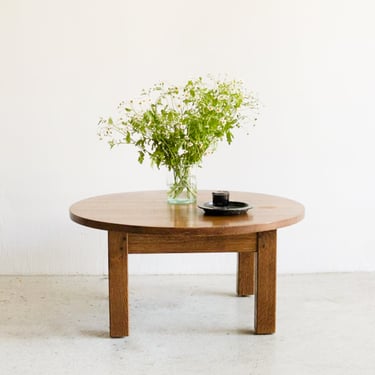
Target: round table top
<point>148,212</point>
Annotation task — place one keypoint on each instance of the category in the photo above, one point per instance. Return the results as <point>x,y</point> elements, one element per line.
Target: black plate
<point>233,208</point>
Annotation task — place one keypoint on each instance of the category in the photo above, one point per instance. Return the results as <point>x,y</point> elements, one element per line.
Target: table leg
<point>265,294</point>
<point>245,274</point>
<point>118,284</point>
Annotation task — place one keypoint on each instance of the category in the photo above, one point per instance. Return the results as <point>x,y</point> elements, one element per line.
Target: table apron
<point>186,243</point>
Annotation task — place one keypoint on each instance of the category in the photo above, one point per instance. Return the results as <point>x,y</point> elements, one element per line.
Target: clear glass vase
<point>182,185</point>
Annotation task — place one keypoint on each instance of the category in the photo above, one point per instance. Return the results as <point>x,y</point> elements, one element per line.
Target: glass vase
<point>182,185</point>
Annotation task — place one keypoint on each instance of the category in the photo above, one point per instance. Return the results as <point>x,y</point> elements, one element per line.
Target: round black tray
<point>233,208</point>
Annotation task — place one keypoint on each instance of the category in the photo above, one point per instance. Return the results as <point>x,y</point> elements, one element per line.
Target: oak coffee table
<point>144,223</point>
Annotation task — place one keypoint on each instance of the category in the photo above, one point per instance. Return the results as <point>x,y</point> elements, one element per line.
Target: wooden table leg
<point>118,284</point>
<point>245,274</point>
<point>265,293</point>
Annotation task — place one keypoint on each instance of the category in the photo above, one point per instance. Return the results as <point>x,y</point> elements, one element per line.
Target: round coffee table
<point>144,223</point>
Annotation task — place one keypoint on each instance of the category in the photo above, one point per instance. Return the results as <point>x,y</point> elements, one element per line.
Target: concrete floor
<point>187,325</point>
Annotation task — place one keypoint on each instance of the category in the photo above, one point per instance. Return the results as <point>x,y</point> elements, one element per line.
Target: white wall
<point>65,63</point>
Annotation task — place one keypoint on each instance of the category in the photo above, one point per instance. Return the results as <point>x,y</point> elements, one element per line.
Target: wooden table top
<point>148,212</point>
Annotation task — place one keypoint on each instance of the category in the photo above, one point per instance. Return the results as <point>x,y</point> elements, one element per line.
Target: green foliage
<point>177,126</point>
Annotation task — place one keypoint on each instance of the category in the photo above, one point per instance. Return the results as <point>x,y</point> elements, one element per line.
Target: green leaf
<point>141,157</point>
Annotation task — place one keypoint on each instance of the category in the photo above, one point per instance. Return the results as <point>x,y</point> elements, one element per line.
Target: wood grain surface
<point>149,213</point>
<point>246,274</point>
<point>265,295</point>
<point>118,284</point>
